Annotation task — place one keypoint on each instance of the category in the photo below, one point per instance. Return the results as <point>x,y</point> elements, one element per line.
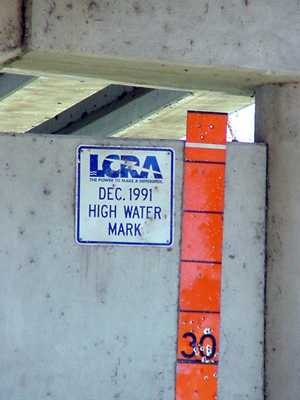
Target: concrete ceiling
<point>170,122</point>
<point>42,99</point>
<point>54,103</point>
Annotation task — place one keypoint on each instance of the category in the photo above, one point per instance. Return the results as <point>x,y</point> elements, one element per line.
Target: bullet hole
<point>47,191</point>
<point>186,70</point>
<point>31,260</point>
<point>192,42</point>
<point>274,349</point>
<point>58,171</point>
<point>69,6</point>
<point>48,295</point>
<point>42,160</point>
<point>62,314</point>
<point>232,256</point>
<point>21,231</point>
<point>31,212</point>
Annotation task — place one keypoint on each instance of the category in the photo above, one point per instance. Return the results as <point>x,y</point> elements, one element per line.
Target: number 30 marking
<point>210,350</point>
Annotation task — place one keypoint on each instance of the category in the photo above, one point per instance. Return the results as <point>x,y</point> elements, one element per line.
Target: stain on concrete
<point>167,28</point>
<point>21,230</point>
<point>32,260</point>
<point>10,27</point>
<point>51,7</point>
<point>137,8</point>
<point>93,8</point>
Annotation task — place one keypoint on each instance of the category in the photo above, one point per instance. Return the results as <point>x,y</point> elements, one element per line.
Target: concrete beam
<point>75,115</point>
<point>232,80</point>
<point>255,35</point>
<point>42,99</point>
<point>127,111</point>
<point>169,122</point>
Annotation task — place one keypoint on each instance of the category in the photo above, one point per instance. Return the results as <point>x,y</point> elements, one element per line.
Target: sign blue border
<point>77,200</point>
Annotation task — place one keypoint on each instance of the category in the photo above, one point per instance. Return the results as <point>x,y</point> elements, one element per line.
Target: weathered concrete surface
<point>242,302</point>
<point>243,33</point>
<point>278,123</point>
<point>78,322</point>
<point>11,29</point>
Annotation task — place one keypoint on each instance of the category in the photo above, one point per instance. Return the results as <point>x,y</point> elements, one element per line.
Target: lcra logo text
<point>125,166</point>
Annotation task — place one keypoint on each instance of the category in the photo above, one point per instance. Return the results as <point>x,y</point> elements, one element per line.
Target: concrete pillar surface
<point>242,306</point>
<point>11,29</point>
<point>278,123</point>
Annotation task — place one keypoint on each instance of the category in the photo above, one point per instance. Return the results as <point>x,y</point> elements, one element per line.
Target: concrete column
<point>278,123</point>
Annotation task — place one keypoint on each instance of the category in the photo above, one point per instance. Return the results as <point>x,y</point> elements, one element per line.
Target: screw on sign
<point>201,257</point>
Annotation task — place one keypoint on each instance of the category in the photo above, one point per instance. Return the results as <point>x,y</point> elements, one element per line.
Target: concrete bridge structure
<point>126,67</point>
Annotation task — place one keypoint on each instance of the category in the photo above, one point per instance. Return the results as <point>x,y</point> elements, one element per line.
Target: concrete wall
<point>243,276</point>
<point>252,34</point>
<point>11,29</point>
<point>277,122</point>
<point>101,322</point>
<point>78,322</point>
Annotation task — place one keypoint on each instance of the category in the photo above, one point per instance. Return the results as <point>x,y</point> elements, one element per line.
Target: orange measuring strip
<point>201,257</point>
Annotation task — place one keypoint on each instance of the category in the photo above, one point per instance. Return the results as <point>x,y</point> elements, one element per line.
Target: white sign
<point>124,195</point>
